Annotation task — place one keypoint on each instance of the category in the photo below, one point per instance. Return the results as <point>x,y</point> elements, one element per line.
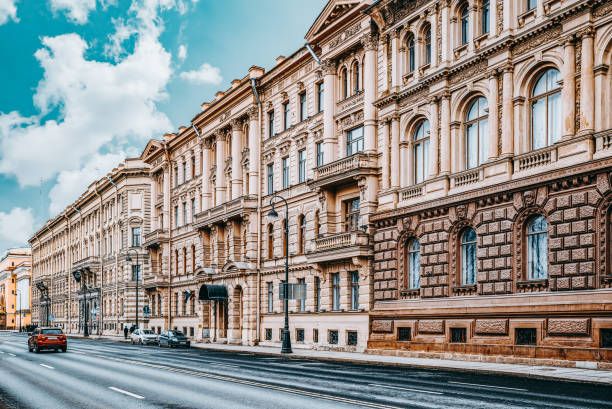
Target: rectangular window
<point>299,335</point>
<point>320,96</point>
<point>184,172</point>
<point>532,4</point>
<point>302,302</point>
<point>354,290</point>
<point>302,166</point>
<point>605,338</point>
<point>315,335</point>
<point>270,179</point>
<point>270,297</point>
<point>351,215</point>
<point>302,106</point>
<point>485,16</point>
<point>191,331</point>
<point>354,141</point>
<point>136,272</point>
<point>526,336</point>
<point>270,124</point>
<point>332,337</point>
<point>458,335</point>
<point>184,213</point>
<point>193,172</point>
<point>193,210</point>
<point>286,115</point>
<point>285,173</point>
<point>176,224</point>
<point>176,176</point>
<point>336,291</point>
<point>135,236</point>
<point>268,335</point>
<point>351,338</point>
<point>404,334</point>
<point>320,154</point>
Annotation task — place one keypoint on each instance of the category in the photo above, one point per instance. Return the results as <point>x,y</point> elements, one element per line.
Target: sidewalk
<point>576,374</point>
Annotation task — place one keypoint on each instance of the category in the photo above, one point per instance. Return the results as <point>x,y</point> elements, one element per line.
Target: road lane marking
<point>133,395</point>
<point>47,366</point>
<point>401,388</point>
<point>488,386</point>
<point>1,352</point>
<point>256,384</point>
<point>12,354</point>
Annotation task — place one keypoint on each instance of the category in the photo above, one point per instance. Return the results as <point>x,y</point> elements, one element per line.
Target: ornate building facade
<point>80,269</point>
<point>446,168</point>
<point>15,275</point>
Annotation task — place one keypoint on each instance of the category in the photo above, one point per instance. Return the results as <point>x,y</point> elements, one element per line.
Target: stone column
<point>445,32</point>
<point>587,83</point>
<point>206,188</point>
<point>433,138</point>
<point>445,148</point>
<point>406,164</point>
<point>568,92</point>
<point>329,105</point>
<point>220,172</point>
<point>253,150</point>
<point>493,118</point>
<point>385,155</point>
<point>473,27</point>
<point>509,16</point>
<point>507,113</point>
<point>395,61</point>
<point>396,169</point>
<point>236,158</point>
<point>369,42</point>
<point>493,29</point>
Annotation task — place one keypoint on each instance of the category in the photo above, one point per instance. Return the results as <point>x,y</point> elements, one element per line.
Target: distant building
<point>14,284</point>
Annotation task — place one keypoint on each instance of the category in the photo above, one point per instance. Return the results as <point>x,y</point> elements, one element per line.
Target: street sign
<point>51,317</point>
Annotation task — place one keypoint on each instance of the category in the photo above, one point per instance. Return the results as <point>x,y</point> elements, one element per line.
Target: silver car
<point>143,337</point>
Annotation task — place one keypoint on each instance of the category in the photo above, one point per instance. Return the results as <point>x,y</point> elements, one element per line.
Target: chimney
<point>280,59</point>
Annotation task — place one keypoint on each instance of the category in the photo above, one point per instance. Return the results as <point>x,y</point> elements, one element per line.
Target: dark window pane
<point>404,334</point>
<point>458,335</point>
<point>351,338</point>
<point>526,336</point>
<point>333,337</point>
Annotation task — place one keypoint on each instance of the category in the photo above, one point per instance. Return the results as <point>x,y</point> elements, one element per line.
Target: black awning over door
<point>212,292</point>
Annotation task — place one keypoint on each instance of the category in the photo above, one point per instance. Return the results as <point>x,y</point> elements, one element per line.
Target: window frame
<point>463,253</point>
<point>538,235</point>
<point>335,292</point>
<point>356,145</point>
<point>480,139</point>
<point>302,166</point>
<point>271,130</point>
<point>286,115</point>
<point>422,142</point>
<point>320,154</point>
<point>351,215</point>
<point>533,99</point>
<point>354,283</point>
<point>464,25</point>
<point>303,106</point>
<point>485,17</point>
<point>286,173</point>
<point>413,256</point>
<point>320,96</point>
<point>270,178</point>
<point>427,46</point>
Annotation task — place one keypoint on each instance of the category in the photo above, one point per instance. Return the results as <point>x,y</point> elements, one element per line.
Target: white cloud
<point>76,10</point>
<point>16,227</point>
<point>182,52</point>
<point>71,183</point>
<point>8,10</point>
<point>206,74</point>
<point>99,103</point>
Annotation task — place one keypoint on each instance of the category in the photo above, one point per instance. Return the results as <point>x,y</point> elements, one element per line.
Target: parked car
<point>173,338</point>
<point>143,336</point>
<point>47,338</point>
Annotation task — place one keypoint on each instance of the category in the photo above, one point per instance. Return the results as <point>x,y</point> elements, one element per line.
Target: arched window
<point>546,109</point>
<point>270,241</point>
<point>484,17</point>
<point>468,257</point>
<point>411,56</point>
<point>301,234</point>
<point>476,133</point>
<point>421,151</point>
<point>414,264</point>
<point>344,79</point>
<point>356,75</point>
<point>465,25</point>
<point>428,46</point>
<point>537,249</point>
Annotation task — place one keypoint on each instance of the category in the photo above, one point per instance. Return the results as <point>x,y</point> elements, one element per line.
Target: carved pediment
<point>331,14</point>
<point>153,147</point>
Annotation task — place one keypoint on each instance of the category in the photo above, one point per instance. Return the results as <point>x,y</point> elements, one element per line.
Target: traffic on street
<point>109,374</point>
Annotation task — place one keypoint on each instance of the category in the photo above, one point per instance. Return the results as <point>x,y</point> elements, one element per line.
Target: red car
<point>47,338</point>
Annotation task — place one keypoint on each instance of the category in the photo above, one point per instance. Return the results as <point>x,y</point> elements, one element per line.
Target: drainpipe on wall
<point>309,48</point>
<point>259,171</point>
<point>167,155</point>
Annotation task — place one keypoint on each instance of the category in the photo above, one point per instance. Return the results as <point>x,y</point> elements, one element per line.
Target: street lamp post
<point>129,260</point>
<point>286,348</point>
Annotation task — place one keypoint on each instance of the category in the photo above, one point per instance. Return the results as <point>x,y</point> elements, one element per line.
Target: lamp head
<point>272,213</point>
<point>128,258</point>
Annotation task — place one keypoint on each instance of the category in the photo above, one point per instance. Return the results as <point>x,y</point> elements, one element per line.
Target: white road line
<point>133,395</point>
<point>12,354</point>
<point>1,352</point>
<point>405,389</point>
<point>47,366</point>
<point>488,386</point>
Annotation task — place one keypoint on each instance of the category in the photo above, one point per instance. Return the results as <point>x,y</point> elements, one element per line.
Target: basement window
<point>268,334</point>
<point>351,338</point>
<point>458,335</point>
<point>299,335</point>
<point>606,337</point>
<point>333,337</point>
<point>526,336</point>
<point>404,334</point>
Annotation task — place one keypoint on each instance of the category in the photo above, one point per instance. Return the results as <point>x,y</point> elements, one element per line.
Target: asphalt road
<point>106,374</point>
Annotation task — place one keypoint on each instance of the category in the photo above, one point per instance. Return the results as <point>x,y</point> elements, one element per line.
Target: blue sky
<point>85,83</point>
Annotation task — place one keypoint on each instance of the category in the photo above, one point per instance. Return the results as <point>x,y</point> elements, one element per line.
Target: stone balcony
<point>340,246</point>
<point>345,170</point>
<point>229,210</point>
<point>91,263</point>
<point>156,237</point>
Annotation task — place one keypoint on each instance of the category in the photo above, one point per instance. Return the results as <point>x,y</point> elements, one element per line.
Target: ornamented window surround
<point>454,251</point>
<point>521,222</point>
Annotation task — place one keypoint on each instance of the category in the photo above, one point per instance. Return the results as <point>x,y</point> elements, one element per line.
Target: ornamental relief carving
<point>603,10</point>
<point>468,72</point>
<point>537,39</point>
<point>412,99</point>
<point>345,35</point>
<point>351,120</point>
